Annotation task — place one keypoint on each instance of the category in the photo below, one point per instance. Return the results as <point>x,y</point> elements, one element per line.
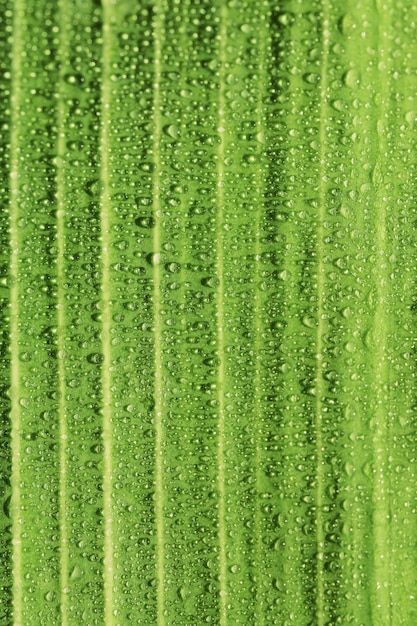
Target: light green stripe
<point>382,585</point>
<point>220,317</point>
<point>108,17</point>
<point>64,19</point>
<point>158,364</point>
<point>354,373</point>
<point>319,391</point>
<point>259,327</point>
<point>399,182</point>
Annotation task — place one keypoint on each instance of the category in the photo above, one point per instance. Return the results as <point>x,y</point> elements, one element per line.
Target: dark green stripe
<point>5,450</point>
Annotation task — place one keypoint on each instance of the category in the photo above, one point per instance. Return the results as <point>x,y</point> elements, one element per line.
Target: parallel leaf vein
<point>258,322</point>
<point>320,322</point>
<point>381,326</point>
<point>221,319</point>
<point>106,101</point>
<point>60,182</point>
<point>158,355</point>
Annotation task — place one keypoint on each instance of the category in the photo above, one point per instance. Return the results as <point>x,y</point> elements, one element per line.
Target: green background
<point>208,296</point>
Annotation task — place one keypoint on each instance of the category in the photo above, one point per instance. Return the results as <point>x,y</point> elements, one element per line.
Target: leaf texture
<point>207,306</point>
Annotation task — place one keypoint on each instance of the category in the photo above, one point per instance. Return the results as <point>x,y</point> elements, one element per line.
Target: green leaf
<point>207,302</point>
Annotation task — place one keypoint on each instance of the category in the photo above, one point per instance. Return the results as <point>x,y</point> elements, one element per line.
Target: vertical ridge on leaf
<point>221,382</point>
<point>319,387</point>
<point>160,409</point>
<point>109,18</point>
<point>64,18</point>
